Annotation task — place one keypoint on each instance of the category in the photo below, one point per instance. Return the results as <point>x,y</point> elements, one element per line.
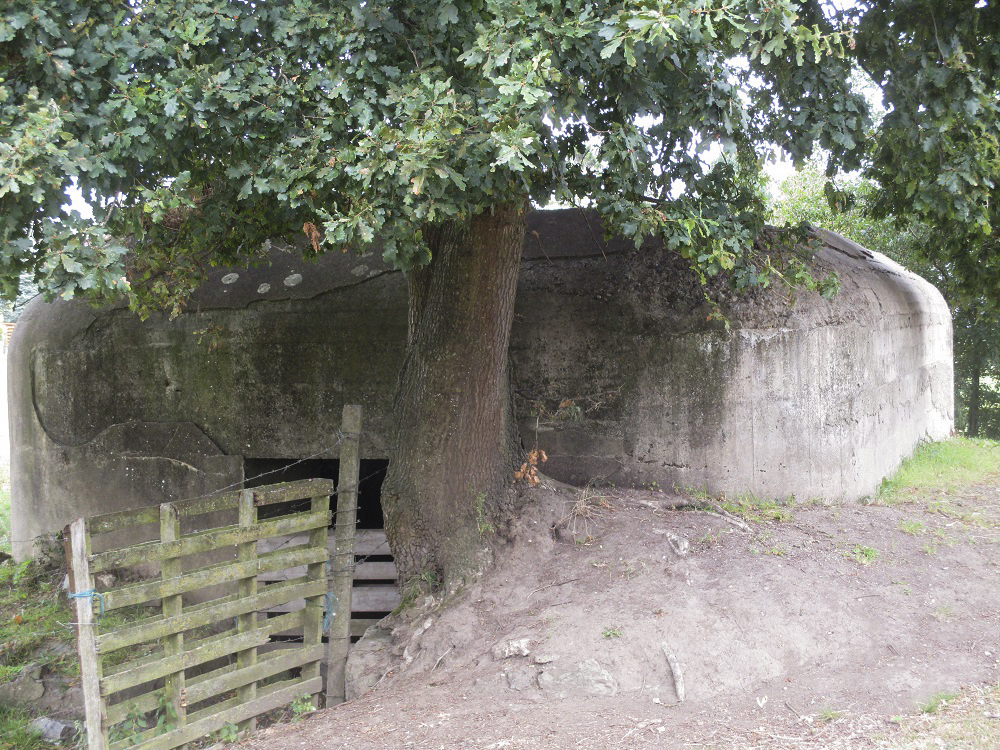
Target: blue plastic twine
<point>90,594</point>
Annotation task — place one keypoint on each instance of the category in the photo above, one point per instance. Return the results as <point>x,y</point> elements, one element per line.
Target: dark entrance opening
<point>375,576</point>
<point>261,471</point>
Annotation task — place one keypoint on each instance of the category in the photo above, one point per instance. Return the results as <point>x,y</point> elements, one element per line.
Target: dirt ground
<point>811,631</point>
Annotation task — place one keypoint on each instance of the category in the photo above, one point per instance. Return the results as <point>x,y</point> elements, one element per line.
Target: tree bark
<point>972,423</point>
<point>455,445</point>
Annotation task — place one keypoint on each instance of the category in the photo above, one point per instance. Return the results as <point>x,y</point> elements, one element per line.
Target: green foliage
<point>937,702</point>
<point>228,733</point>
<point>15,732</point>
<point>751,508</point>
<point>197,130</point>
<point>302,706</point>
<point>942,466</point>
<point>5,538</point>
<point>33,614</point>
<point>937,155</point>
<point>862,554</point>
<point>612,631</point>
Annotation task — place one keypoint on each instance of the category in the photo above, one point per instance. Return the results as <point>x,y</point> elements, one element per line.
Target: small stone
<point>52,730</point>
<point>586,678</point>
<point>545,658</point>
<point>507,649</point>
<point>25,689</point>
<point>105,580</point>
<point>521,677</point>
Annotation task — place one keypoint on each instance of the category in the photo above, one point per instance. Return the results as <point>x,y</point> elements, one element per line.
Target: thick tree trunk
<point>455,445</point>
<point>972,425</point>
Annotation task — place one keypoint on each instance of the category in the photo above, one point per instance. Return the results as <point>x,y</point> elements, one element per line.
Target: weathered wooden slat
<point>342,558</point>
<point>160,668</point>
<point>173,606</point>
<point>123,520</point>
<point>365,571</point>
<point>288,491</point>
<point>216,682</point>
<point>376,598</point>
<point>375,571</point>
<point>360,626</point>
<point>264,566</point>
<point>225,713</point>
<point>276,493</point>
<point>366,542</point>
<point>246,659</point>
<point>205,541</point>
<point>312,626</point>
<point>363,599</point>
<point>81,584</point>
<point>156,628</point>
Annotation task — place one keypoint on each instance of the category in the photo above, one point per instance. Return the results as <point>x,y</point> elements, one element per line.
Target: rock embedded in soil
<point>514,647</point>
<point>584,678</point>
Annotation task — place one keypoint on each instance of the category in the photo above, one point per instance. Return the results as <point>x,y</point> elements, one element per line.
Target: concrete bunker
<point>617,374</point>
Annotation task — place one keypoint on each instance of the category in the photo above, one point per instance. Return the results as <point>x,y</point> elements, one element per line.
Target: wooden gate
<point>169,660</point>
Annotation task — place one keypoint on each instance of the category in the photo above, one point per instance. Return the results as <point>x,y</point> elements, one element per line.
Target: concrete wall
<point>820,399</point>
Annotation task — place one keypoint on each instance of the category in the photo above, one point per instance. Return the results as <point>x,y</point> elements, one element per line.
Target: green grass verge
<point>966,721</point>
<point>33,615</point>
<point>943,466</point>
<point>5,509</point>
<point>15,733</point>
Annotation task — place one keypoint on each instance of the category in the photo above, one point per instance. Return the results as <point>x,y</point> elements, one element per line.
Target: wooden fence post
<point>173,644</point>
<point>312,626</point>
<point>82,591</point>
<point>247,552</point>
<point>342,564</point>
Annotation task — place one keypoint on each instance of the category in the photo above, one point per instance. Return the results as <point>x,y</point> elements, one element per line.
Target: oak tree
<point>197,129</point>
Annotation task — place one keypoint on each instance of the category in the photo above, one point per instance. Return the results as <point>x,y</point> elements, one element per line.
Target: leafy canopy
<point>198,129</point>
<point>936,157</point>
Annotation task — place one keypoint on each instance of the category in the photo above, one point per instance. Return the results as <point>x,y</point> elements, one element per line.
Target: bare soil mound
<point>778,626</point>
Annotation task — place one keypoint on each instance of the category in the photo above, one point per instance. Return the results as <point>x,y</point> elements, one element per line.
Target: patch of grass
<point>15,732</point>
<point>945,465</point>
<point>944,612</point>
<point>751,508</point>
<point>958,722</point>
<point>862,555</point>
<point>5,536</point>
<point>829,714</point>
<point>913,528</point>
<point>33,614</point>
<point>612,631</point>
<point>937,702</point>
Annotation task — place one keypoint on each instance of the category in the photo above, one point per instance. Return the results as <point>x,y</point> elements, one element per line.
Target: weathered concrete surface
<point>820,399</point>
